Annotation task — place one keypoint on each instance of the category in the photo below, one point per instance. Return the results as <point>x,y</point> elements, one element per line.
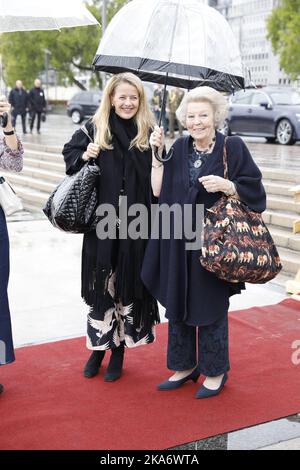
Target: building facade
<point>247,19</point>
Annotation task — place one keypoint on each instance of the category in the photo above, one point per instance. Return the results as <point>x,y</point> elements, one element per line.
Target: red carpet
<point>49,405</point>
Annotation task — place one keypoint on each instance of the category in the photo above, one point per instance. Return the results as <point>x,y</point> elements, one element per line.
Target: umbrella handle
<point>167,158</point>
<point>4,120</point>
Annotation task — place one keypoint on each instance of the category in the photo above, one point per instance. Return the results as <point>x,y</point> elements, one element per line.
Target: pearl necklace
<point>201,153</point>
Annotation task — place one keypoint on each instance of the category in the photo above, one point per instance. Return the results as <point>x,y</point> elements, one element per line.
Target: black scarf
<point>129,170</point>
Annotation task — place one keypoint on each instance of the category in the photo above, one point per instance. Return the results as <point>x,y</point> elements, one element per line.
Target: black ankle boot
<point>93,364</point>
<point>114,369</point>
<point>1,388</point>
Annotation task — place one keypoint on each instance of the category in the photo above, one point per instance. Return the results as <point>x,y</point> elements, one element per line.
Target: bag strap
<point>225,160</point>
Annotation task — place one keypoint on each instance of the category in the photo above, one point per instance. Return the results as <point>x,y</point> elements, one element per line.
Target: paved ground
<point>44,286</point>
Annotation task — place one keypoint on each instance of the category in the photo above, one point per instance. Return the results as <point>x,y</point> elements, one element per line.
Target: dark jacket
<point>121,170</point>
<point>37,100</point>
<point>173,275</point>
<point>18,98</point>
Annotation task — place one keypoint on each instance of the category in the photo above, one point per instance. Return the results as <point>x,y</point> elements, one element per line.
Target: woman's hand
<point>157,139</point>
<point>5,107</point>
<point>92,151</point>
<point>214,184</point>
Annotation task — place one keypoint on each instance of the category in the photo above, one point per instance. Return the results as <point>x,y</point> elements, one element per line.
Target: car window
<point>96,99</point>
<point>286,97</point>
<point>242,98</point>
<point>258,98</point>
<point>76,97</point>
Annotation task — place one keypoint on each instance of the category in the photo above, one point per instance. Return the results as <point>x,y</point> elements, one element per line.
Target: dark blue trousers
<point>212,356</point>
<point>6,343</point>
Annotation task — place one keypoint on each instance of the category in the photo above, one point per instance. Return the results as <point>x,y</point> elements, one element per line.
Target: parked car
<point>270,112</point>
<point>83,104</point>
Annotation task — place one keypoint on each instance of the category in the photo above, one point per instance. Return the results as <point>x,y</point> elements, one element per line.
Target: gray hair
<point>204,94</point>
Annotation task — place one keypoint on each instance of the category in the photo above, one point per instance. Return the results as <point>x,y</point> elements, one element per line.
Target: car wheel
<point>226,129</point>
<point>284,132</point>
<point>76,117</point>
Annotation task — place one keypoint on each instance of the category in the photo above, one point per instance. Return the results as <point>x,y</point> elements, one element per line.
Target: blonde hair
<point>144,118</point>
<point>208,95</point>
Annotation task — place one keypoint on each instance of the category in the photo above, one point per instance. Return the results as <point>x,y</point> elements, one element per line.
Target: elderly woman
<point>122,312</point>
<point>11,158</point>
<point>193,297</point>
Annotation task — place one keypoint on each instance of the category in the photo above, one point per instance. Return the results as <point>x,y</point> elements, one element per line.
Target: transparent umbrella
<point>30,15</point>
<point>182,43</point>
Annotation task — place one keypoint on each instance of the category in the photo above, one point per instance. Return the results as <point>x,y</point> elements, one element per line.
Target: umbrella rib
<point>189,41</point>
<point>173,32</point>
<point>146,36</point>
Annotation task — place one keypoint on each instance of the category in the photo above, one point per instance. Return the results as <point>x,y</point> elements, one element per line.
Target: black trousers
<point>212,356</point>
<point>14,115</point>
<point>32,116</point>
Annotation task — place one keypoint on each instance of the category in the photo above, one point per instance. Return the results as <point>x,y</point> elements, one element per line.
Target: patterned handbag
<point>237,246</point>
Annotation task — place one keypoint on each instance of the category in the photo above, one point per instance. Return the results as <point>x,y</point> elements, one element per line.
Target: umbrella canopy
<point>29,15</point>
<point>179,42</point>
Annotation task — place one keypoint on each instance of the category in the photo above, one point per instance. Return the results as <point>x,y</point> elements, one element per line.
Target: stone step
<point>45,165</point>
<point>43,148</point>
<point>41,174</point>
<point>279,218</point>
<point>285,238</point>
<point>283,204</point>
<point>290,260</point>
<point>44,156</point>
<point>279,174</point>
<point>278,188</point>
<point>31,198</point>
<point>32,183</point>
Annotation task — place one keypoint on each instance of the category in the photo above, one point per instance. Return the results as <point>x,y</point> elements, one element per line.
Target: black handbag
<point>72,206</point>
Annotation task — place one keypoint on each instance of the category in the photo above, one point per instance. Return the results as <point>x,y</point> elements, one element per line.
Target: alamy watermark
<point>296,355</point>
<point>167,221</point>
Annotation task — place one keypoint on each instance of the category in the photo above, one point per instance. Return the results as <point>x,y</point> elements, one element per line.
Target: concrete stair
<point>281,214</point>
<point>44,168</point>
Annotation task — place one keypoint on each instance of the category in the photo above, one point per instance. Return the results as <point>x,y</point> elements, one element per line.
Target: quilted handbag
<point>237,246</point>
<point>72,206</point>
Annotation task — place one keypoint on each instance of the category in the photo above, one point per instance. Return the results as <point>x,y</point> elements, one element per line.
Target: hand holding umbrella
<point>157,139</point>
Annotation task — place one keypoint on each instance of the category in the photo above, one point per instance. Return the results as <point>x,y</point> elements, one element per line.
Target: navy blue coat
<point>174,275</point>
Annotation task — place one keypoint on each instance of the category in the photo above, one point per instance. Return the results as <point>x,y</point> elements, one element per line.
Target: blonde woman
<point>196,301</point>
<point>122,312</point>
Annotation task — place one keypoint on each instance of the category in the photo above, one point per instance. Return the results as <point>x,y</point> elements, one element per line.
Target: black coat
<point>18,98</point>
<point>37,100</point>
<point>174,275</point>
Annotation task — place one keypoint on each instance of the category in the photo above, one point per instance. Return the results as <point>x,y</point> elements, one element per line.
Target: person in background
<point>156,102</point>
<point>11,158</point>
<point>174,99</point>
<point>37,104</point>
<point>18,98</point>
